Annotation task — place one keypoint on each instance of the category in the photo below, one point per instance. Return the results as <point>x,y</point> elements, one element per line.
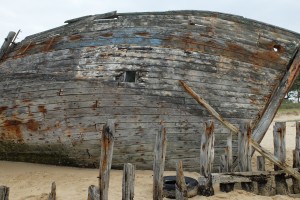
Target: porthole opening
<point>130,76</point>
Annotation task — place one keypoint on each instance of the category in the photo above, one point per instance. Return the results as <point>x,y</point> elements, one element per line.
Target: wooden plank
<point>255,145</point>
<point>4,192</point>
<point>207,158</point>
<point>107,144</point>
<point>180,186</point>
<point>285,84</point>
<point>128,182</point>
<point>279,132</point>
<point>52,195</point>
<point>159,163</point>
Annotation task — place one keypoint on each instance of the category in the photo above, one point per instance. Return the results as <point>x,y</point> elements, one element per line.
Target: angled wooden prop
<point>264,152</point>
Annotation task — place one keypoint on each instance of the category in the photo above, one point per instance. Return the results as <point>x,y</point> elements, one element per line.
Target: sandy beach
<point>33,181</point>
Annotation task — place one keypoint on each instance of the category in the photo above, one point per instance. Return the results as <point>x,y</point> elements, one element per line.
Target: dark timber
<point>59,87</point>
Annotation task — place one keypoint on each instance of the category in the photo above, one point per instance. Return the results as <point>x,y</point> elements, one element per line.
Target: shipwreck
<point>58,87</point>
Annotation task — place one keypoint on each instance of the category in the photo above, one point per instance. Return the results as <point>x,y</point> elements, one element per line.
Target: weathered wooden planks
<point>62,84</point>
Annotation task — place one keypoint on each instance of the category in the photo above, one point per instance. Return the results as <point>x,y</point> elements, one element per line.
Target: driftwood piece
<point>6,43</point>
<point>264,185</point>
<point>296,159</point>
<point>206,159</point>
<point>244,154</point>
<point>107,143</point>
<point>280,152</point>
<point>52,195</point>
<point>180,186</point>
<point>128,182</point>
<point>93,193</point>
<point>264,152</point>
<point>159,163</point>
<point>4,193</point>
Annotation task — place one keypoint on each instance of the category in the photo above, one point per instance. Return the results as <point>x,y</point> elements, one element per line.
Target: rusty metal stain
<point>143,34</point>
<point>42,109</point>
<point>12,129</point>
<point>2,109</point>
<point>75,37</point>
<point>49,44</point>
<point>107,35</point>
<point>32,125</point>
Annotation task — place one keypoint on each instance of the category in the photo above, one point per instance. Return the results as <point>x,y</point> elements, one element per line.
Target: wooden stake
<point>128,182</point>
<point>93,193</point>
<point>280,152</point>
<point>159,163</point>
<point>107,143</point>
<point>296,159</point>
<point>180,186</point>
<point>4,193</point>
<point>206,159</point>
<point>225,187</point>
<point>52,195</point>
<point>244,154</point>
<point>234,129</point>
<point>264,184</point>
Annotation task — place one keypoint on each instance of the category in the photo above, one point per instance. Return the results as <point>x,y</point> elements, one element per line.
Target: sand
<point>33,181</point>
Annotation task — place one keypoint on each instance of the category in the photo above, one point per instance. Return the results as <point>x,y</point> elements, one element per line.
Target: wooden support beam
<point>6,43</point>
<point>107,144</point>
<point>207,158</point>
<point>4,193</point>
<point>296,159</point>
<point>244,154</point>
<point>159,163</point>
<point>225,187</point>
<point>262,125</point>
<point>235,130</point>
<point>128,182</point>
<point>180,186</point>
<point>52,195</point>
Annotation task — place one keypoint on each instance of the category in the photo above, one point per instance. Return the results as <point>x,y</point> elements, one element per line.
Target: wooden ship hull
<point>58,87</point>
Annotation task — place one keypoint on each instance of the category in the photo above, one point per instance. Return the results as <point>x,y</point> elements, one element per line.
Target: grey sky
<point>33,16</point>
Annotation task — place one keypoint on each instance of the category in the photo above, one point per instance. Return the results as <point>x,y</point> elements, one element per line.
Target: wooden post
<point>180,186</point>
<point>264,184</point>
<point>128,182</point>
<point>4,193</point>
<point>296,159</point>
<point>264,152</point>
<point>226,164</point>
<point>6,43</point>
<point>207,158</point>
<point>244,153</point>
<point>280,152</point>
<point>93,193</point>
<point>52,195</point>
<point>159,163</point>
<point>107,144</point>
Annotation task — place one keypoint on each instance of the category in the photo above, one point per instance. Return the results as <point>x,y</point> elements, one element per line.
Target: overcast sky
<point>33,16</point>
